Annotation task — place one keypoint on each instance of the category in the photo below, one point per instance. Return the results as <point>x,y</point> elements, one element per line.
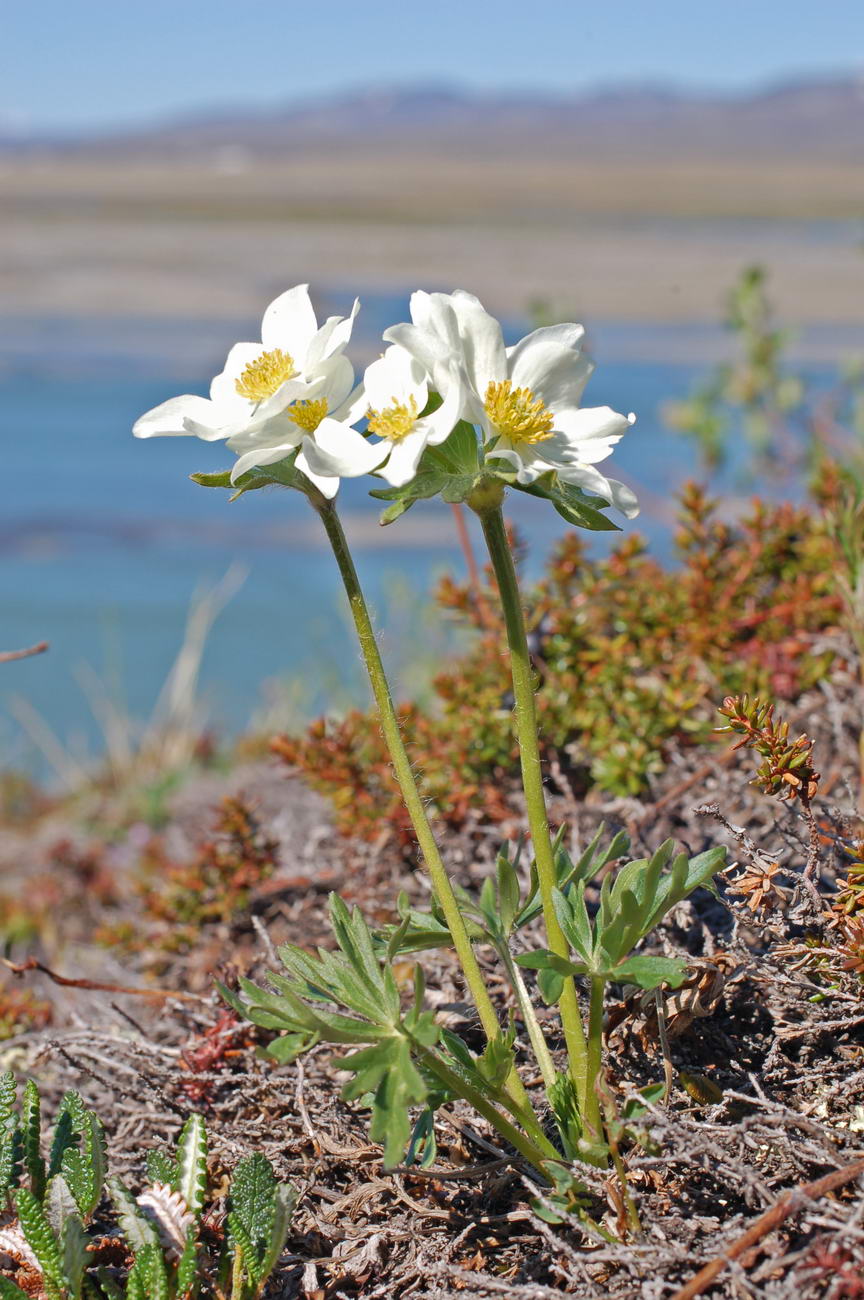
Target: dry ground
<point>630,239</point>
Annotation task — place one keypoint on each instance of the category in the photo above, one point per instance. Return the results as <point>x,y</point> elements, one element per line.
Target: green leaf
<point>423,1147</point>
<point>138,1230</point>
<point>221,479</point>
<point>650,972</point>
<point>11,1155</point>
<point>162,1168</point>
<point>252,1201</point>
<point>59,1204</point>
<point>74,1246</point>
<point>551,986</point>
<point>84,1167</point>
<point>148,1279</point>
<point>187,1269</point>
<point>8,1099</point>
<point>286,1200</point>
<point>9,1291</point>
<point>508,892</point>
<point>245,1255</point>
<point>571,503</point>
<point>573,918</point>
<point>41,1240</point>
<point>387,1072</point>
<point>545,959</point>
<point>31,1129</point>
<point>191,1179</point>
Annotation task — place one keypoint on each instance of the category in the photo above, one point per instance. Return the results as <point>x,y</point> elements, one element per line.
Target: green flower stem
<point>595,1051</point>
<point>408,786</point>
<point>536,1151</point>
<point>532,1025</point>
<point>532,780</point>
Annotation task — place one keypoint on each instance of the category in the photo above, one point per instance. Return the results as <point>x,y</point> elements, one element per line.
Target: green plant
<point>788,422</point>
<point>449,411</point>
<point>57,1233</point>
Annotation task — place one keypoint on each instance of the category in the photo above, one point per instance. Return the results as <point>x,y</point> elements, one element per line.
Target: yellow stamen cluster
<point>396,420</point>
<point>265,374</point>
<point>517,414</point>
<point>308,415</point>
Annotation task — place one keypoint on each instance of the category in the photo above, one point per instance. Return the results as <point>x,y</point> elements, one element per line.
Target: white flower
<point>393,395</point>
<point>272,397</point>
<point>525,398</point>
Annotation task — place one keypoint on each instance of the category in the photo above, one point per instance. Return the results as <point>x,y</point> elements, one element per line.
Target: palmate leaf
<point>630,906</point>
<point>282,474</point>
<point>650,972</point>
<point>387,1071</point>
<point>451,471</point>
<point>571,503</point>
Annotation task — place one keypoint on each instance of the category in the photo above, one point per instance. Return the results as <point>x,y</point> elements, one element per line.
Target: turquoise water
<point>104,540</point>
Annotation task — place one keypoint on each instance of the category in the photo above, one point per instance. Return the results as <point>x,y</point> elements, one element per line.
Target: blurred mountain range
<point>819,117</point>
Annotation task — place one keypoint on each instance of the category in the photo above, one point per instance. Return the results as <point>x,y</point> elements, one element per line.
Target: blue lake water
<point>104,540</point>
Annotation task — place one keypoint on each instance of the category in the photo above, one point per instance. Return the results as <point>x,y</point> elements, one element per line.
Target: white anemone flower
<point>392,397</point>
<point>259,379</point>
<point>525,398</point>
<point>277,395</point>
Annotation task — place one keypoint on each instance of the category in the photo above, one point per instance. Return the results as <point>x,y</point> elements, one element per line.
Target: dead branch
<point>788,1203</point>
<point>7,656</point>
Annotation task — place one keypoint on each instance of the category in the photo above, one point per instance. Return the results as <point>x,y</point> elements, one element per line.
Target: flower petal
<point>396,376</point>
<point>338,449</point>
<point>526,464</point>
<point>569,336</point>
<point>289,323</point>
<point>404,458</point>
<point>482,341</point>
<point>259,457</point>
<point>585,436</point>
<point>440,423</point>
<point>553,372</point>
<point>428,348</point>
<point>173,419</point>
<point>327,484</point>
<point>333,336</point>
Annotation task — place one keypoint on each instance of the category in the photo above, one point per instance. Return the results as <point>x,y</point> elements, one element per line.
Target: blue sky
<point>92,64</point>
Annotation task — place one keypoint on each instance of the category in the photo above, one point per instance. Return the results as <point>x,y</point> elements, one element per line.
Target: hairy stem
<point>535,1150</point>
<point>408,786</point>
<point>595,1054</point>
<point>532,781</point>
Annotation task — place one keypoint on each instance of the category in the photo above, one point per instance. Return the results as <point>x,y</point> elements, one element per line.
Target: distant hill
<point>824,118</point>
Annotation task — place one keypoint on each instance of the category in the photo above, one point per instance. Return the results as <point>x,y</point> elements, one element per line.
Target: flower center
<point>265,374</point>
<point>517,414</point>
<point>308,415</point>
<point>395,421</point>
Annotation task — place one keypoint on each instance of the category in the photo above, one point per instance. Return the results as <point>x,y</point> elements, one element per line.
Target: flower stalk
<point>495,534</point>
<point>408,787</point>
